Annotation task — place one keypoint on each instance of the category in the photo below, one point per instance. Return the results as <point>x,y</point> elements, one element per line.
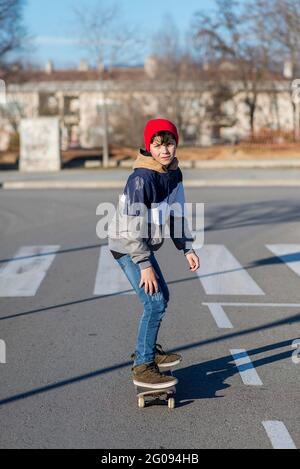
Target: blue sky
<point>51,23</point>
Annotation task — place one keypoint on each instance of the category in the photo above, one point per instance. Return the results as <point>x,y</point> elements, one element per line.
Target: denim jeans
<point>154,308</point>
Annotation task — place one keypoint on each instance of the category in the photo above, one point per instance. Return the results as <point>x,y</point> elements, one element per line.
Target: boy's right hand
<point>149,278</point>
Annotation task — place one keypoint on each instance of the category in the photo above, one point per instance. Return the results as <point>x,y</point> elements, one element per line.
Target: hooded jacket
<point>153,195</point>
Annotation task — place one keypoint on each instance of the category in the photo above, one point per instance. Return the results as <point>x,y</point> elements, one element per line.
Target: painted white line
<point>269,305</point>
<point>222,274</point>
<point>23,275</point>
<point>116,184</point>
<point>246,368</point>
<point>279,435</point>
<point>219,316</point>
<point>288,253</point>
<point>241,183</point>
<point>268,163</point>
<point>2,352</point>
<point>40,185</point>
<point>110,278</point>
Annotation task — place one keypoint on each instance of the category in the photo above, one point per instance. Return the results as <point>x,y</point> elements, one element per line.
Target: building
<point>206,108</point>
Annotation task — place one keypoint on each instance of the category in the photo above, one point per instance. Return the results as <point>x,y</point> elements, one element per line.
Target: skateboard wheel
<point>171,403</point>
<point>141,402</point>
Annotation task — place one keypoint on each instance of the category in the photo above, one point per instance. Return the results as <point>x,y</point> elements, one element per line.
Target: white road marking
<point>222,320</point>
<point>110,278</point>
<point>271,305</point>
<point>288,253</point>
<point>2,352</point>
<point>246,368</point>
<point>23,275</point>
<point>279,435</point>
<point>222,274</point>
<point>219,316</point>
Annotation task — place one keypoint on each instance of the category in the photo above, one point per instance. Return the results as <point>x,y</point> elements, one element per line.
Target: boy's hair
<point>166,137</point>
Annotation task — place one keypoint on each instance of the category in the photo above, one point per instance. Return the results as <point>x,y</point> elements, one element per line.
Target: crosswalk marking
<point>219,316</point>
<point>246,369</point>
<point>110,278</point>
<point>288,253</point>
<point>221,274</point>
<point>279,435</point>
<point>23,274</point>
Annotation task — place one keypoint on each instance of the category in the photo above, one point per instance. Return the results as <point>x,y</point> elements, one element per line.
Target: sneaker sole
<point>167,365</point>
<point>170,384</point>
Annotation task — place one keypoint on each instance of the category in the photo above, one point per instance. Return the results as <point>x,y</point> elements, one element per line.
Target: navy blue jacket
<point>153,196</point>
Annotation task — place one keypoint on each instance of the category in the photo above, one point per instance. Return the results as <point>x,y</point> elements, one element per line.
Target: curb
<point>215,164</point>
<point>248,164</point>
<point>26,185</point>
<point>230,164</point>
<point>12,185</point>
<point>242,183</point>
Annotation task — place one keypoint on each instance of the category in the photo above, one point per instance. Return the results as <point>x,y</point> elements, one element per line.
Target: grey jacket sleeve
<point>133,216</point>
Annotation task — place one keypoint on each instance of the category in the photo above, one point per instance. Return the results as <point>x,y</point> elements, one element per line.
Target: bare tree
<point>176,73</point>
<point>235,34</point>
<point>128,119</point>
<point>285,27</point>
<point>12,32</point>
<point>284,32</point>
<point>106,37</point>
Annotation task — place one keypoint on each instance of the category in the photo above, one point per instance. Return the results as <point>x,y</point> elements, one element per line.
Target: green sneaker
<point>148,376</point>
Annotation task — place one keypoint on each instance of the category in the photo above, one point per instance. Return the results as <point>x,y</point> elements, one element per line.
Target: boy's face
<point>163,153</point>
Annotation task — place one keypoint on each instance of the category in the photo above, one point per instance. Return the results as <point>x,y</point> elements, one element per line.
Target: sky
<point>51,26</point>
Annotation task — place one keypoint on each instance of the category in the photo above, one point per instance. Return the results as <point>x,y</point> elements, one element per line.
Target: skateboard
<point>147,395</point>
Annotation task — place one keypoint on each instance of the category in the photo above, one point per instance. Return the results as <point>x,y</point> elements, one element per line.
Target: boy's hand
<point>148,277</point>
<point>193,261</point>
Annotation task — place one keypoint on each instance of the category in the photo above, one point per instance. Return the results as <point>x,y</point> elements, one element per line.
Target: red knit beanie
<point>159,125</point>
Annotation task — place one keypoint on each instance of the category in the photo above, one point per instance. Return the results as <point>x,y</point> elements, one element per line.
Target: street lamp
<point>102,108</point>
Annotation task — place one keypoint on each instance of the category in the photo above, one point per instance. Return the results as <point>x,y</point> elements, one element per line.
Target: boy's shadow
<point>205,380</point>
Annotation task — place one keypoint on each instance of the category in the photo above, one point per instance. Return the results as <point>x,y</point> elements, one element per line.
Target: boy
<point>156,185</point>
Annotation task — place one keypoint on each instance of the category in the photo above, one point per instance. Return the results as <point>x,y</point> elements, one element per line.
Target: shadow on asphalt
<point>50,253</point>
<point>200,381</point>
<point>272,260</point>
<point>205,380</point>
<point>227,217</point>
<point>80,161</point>
<point>293,257</point>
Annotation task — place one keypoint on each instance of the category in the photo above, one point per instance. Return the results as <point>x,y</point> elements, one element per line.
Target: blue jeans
<point>154,308</point>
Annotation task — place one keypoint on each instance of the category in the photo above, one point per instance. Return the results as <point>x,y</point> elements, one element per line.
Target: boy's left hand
<point>193,261</point>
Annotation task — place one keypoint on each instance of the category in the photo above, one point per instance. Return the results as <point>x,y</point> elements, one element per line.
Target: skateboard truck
<point>149,395</point>
<point>146,395</point>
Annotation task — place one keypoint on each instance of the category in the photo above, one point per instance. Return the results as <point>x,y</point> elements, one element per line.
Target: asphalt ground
<point>67,383</point>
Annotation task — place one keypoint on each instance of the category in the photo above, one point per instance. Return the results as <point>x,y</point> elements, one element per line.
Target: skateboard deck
<point>152,395</point>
